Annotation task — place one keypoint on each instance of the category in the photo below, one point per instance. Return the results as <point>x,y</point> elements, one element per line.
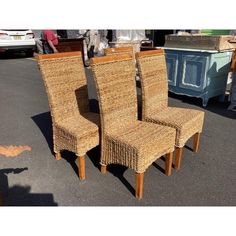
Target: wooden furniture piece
<point>198,73</point>
<point>233,62</point>
<point>71,45</point>
<point>154,85</point>
<point>75,128</point>
<point>124,139</point>
<point>198,65</point>
<point>147,48</point>
<point>201,42</point>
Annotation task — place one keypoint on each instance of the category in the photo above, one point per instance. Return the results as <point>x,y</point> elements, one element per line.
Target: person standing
<point>50,41</point>
<point>92,38</point>
<point>38,41</point>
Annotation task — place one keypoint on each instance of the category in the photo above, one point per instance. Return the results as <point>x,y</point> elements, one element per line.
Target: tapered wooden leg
<point>139,185</point>
<point>103,169</point>
<point>81,167</point>
<point>178,157</point>
<point>169,157</point>
<point>196,142</point>
<point>58,156</point>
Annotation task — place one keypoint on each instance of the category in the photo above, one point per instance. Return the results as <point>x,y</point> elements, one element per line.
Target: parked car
<point>17,40</point>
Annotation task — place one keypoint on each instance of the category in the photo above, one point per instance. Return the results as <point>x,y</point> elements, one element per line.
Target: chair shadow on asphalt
<point>213,104</point>
<point>44,123</point>
<point>20,195</point>
<point>159,166</point>
<point>71,158</point>
<point>119,170</point>
<point>115,169</point>
<point>94,156</point>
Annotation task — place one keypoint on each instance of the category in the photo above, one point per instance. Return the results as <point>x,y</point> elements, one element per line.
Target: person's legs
<point>91,52</point>
<point>47,49</point>
<point>39,45</point>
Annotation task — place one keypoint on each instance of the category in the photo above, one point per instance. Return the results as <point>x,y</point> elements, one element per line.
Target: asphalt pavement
<point>35,178</point>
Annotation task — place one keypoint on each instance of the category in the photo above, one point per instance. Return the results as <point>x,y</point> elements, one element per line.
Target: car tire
<point>29,53</point>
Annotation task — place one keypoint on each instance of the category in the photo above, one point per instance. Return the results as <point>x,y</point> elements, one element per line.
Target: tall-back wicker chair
<point>154,85</point>
<point>124,139</point>
<point>74,127</point>
<point>121,50</point>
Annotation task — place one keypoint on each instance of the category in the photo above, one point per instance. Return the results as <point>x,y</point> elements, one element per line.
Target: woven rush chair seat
<point>154,85</point>
<point>75,128</point>
<point>79,128</point>
<point>124,139</point>
<point>186,122</point>
<point>133,151</point>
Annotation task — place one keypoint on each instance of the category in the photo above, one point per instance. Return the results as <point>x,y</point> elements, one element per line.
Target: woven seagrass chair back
<point>154,83</point>
<point>114,78</point>
<point>64,78</point>
<point>121,50</point>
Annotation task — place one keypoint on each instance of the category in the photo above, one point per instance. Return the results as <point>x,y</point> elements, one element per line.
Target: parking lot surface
<point>35,178</point>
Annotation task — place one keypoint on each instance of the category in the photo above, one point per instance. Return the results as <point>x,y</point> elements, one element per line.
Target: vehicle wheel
<point>29,53</point>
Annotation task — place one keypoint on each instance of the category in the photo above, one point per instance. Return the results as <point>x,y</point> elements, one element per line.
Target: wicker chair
<point>154,85</point>
<point>121,50</point>
<point>124,139</point>
<point>74,127</point>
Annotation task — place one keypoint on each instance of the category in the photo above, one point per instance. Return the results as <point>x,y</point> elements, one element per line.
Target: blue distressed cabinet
<point>198,73</point>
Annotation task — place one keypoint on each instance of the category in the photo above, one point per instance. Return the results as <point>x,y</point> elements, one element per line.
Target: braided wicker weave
<point>153,73</point>
<point>124,139</point>
<point>74,127</point>
<point>134,44</point>
<point>121,50</point>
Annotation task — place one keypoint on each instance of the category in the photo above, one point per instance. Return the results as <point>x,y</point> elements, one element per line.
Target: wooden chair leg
<point>103,169</point>
<point>58,156</point>
<point>139,185</point>
<point>178,157</point>
<point>196,142</point>
<point>169,157</point>
<point>81,167</point>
